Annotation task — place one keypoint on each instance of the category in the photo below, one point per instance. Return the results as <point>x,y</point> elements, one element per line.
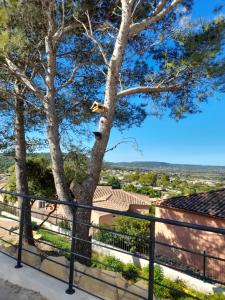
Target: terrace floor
<point>27,283</point>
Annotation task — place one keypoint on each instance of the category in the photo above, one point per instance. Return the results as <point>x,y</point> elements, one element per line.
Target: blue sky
<point>198,139</point>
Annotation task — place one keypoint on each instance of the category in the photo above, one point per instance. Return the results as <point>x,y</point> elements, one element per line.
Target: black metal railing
<point>139,246</point>
<point>69,250</point>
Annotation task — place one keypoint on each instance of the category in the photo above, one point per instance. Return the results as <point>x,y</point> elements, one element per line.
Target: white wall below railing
<point>124,257</point>
<point>192,282</point>
<point>39,221</point>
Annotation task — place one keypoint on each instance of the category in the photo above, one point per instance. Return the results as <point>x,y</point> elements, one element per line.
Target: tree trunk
<point>21,170</point>
<point>62,189</point>
<point>85,193</point>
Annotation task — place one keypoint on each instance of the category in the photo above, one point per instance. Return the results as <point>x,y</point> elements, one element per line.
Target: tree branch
<point>130,140</point>
<point>89,34</point>
<point>29,83</point>
<point>70,79</point>
<point>148,90</point>
<point>48,215</point>
<point>157,15</point>
<point>64,30</point>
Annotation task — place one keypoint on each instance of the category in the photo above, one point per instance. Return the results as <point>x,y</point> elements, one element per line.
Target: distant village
<point>160,183</point>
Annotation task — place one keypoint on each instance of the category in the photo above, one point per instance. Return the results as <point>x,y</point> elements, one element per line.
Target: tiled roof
<point>107,197</point>
<point>210,203</point>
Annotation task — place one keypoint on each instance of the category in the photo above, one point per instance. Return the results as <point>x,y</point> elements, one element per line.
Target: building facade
<point>201,250</point>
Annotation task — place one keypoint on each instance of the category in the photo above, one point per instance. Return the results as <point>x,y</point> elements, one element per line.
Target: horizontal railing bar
<point>112,231</point>
<point>35,212</point>
<point>155,219</point>
<point>157,260</point>
<point>55,232</point>
<point>160,243</point>
<point>178,248</point>
<point>181,292</point>
<point>116,236</point>
<point>65,251</point>
<point>111,284</point>
<point>194,274</point>
<point>52,245</point>
<point>6,229</point>
<point>110,248</point>
<point>61,250</point>
<point>190,251</point>
<point>69,238</point>
<point>32,197</point>
<point>214,257</point>
<point>46,257</point>
<point>7,242</point>
<point>80,223</point>
<point>122,213</point>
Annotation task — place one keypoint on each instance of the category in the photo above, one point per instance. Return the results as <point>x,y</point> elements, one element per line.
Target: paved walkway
<point>10,291</point>
<point>31,279</point>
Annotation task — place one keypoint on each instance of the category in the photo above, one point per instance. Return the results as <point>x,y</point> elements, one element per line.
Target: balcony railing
<point>139,246</point>
<point>121,244</point>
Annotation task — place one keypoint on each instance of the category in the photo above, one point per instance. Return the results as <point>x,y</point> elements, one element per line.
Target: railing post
<point>204,265</point>
<point>70,289</point>
<point>151,260</point>
<point>20,244</point>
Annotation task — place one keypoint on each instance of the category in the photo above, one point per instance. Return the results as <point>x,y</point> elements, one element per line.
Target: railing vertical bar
<point>70,289</point>
<point>204,265</point>
<point>151,260</point>
<point>21,230</point>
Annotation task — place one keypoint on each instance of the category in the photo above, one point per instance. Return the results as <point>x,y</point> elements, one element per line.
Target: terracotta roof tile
<point>107,197</point>
<point>210,203</point>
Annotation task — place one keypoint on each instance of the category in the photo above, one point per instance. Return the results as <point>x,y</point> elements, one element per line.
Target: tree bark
<point>62,189</point>
<point>21,170</point>
<point>84,194</point>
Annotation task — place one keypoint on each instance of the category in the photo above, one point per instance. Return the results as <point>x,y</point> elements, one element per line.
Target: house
<point>118,199</point>
<point>204,209</point>
<point>105,197</point>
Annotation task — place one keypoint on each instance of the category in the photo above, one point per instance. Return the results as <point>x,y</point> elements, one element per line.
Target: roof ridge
<point>197,194</point>
<point>211,203</point>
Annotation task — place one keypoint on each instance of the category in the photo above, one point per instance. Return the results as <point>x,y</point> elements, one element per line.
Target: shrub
<point>138,229</point>
<point>131,272</point>
<point>158,273</point>
<point>104,236</point>
<point>114,264</point>
<point>64,224</point>
<point>95,258</point>
<point>170,289</point>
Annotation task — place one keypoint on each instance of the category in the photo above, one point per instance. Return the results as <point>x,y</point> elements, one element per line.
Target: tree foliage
<point>114,182</point>
<point>145,190</point>
<point>40,178</point>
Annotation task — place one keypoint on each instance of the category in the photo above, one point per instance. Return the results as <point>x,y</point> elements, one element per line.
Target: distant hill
<point>7,160</point>
<point>163,166</point>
